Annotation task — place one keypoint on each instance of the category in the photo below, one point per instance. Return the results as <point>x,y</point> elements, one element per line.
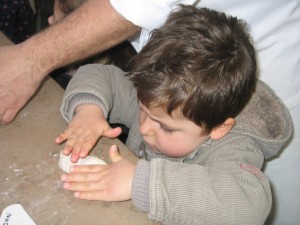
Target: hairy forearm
<point>94,27</point>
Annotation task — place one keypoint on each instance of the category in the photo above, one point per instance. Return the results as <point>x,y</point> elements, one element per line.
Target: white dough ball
<point>65,162</point>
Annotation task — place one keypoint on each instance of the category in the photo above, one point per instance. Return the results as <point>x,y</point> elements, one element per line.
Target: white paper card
<point>15,215</point>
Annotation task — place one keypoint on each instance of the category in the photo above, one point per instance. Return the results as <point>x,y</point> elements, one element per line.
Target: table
<point>30,176</point>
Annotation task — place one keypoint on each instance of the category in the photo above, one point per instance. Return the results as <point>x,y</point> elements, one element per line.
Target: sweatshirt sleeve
<point>228,188</point>
<point>104,85</point>
<point>140,187</point>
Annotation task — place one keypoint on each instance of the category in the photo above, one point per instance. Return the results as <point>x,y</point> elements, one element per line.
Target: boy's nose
<point>145,126</point>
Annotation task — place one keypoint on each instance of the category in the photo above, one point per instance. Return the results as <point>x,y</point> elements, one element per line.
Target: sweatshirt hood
<point>266,119</point>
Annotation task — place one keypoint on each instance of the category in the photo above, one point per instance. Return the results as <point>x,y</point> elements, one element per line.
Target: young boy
<point>199,120</point>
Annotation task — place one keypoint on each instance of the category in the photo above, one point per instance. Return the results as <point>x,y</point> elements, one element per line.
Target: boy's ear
<point>221,130</point>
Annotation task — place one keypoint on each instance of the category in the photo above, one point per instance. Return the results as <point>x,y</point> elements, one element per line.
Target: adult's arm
<point>94,27</point>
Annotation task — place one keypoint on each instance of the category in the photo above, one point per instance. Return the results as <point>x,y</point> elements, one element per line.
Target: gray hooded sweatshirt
<point>220,182</point>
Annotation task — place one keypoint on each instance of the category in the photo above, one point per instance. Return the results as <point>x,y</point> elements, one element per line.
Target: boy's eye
<point>166,130</point>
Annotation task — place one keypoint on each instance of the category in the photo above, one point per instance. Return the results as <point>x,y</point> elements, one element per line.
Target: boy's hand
<point>83,132</point>
<point>102,182</point>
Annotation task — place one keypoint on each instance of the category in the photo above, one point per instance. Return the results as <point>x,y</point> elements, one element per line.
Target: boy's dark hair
<point>200,61</point>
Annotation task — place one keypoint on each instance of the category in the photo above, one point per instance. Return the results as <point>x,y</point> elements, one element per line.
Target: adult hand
<point>102,182</point>
<point>17,81</point>
<point>22,67</point>
<point>85,129</point>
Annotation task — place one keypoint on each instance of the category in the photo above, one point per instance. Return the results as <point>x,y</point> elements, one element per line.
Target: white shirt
<point>275,28</point>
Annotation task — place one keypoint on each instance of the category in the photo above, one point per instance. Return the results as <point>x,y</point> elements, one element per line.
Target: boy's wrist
<point>88,107</point>
<point>84,99</point>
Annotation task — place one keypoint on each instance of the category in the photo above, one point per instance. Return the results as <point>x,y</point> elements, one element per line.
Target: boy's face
<point>173,136</point>
<point>57,13</point>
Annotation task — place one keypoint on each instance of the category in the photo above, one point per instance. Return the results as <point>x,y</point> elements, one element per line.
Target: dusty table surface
<point>30,175</point>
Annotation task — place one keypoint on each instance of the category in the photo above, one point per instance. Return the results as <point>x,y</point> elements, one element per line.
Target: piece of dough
<point>65,162</point>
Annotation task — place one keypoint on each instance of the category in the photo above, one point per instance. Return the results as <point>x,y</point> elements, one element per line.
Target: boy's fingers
<point>82,174</point>
<point>66,151</point>
<point>75,156</point>
<point>75,169</point>
<point>90,195</point>
<point>113,133</point>
<point>114,154</point>
<point>63,136</point>
<point>87,145</point>
<point>81,186</point>
<point>60,138</point>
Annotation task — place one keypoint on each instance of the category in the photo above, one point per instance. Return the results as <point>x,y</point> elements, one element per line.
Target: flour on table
<point>65,162</point>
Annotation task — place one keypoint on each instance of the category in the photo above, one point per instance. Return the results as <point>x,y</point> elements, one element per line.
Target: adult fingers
<point>8,116</point>
<point>1,115</point>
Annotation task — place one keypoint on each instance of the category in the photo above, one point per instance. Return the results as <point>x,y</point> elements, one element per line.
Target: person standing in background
<point>17,20</point>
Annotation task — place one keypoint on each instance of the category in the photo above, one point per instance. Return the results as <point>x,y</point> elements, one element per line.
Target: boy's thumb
<point>113,132</point>
<point>114,154</point>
